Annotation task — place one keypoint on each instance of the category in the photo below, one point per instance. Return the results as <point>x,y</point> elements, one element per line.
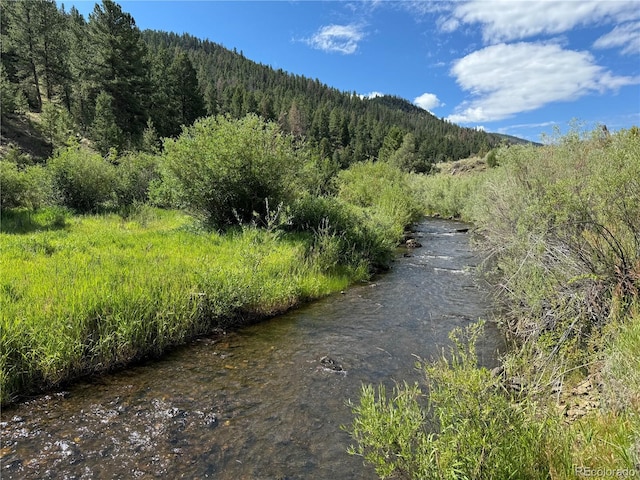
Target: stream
<point>267,401</point>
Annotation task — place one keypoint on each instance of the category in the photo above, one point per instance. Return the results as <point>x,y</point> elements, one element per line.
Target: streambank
<point>101,292</point>
<point>259,402</point>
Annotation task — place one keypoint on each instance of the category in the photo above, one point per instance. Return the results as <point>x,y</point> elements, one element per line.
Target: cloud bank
<point>626,36</point>
<point>508,20</point>
<point>507,79</point>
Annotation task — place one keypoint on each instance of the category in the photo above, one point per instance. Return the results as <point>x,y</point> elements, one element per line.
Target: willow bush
<point>468,428</point>
<point>225,170</point>
<point>563,222</point>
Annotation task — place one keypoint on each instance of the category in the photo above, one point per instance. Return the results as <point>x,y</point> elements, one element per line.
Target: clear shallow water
<point>259,403</point>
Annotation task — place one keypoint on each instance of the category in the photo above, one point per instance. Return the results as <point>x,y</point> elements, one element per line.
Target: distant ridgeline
<point>115,82</point>
<point>343,125</point>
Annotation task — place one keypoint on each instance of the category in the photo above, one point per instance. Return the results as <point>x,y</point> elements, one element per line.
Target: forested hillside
<point>122,88</point>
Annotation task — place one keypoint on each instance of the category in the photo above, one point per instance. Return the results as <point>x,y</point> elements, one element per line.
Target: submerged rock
<point>329,363</point>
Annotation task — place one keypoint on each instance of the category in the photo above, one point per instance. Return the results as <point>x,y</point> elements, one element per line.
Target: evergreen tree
<point>150,139</point>
<point>52,49</point>
<point>83,89</point>
<point>392,142</point>
<point>105,132</point>
<point>56,123</point>
<point>23,34</point>
<point>12,98</point>
<point>185,90</point>
<point>163,106</point>
<point>118,65</point>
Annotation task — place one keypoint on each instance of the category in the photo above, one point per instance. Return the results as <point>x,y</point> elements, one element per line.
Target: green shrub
<point>563,222</point>
<point>135,174</point>
<point>384,192</point>
<point>366,219</point>
<point>224,170</point>
<point>448,195</point>
<point>85,180</point>
<point>341,234</point>
<point>29,187</point>
<point>469,429</point>
<point>11,185</point>
<point>492,159</point>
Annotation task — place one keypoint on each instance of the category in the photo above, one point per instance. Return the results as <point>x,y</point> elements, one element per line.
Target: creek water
<point>259,403</point>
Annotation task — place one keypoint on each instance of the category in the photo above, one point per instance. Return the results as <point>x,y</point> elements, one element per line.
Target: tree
<point>185,89</point>
<point>57,124</point>
<point>83,89</point>
<point>391,143</point>
<point>406,158</point>
<point>150,139</point>
<point>12,98</point>
<point>52,49</point>
<point>23,35</point>
<point>105,132</point>
<point>35,47</point>
<point>117,65</point>
<point>162,105</point>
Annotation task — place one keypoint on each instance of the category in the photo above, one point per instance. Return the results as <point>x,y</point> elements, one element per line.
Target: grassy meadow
<point>101,290</point>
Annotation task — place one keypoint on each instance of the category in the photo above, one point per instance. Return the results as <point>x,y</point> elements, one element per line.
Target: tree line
<point>124,88</point>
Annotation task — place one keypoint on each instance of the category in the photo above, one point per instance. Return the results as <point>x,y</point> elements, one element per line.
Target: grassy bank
<point>561,225</point>
<point>103,291</point>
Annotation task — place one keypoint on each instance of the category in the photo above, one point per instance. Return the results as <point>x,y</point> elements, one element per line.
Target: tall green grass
<point>446,195</point>
<point>103,291</point>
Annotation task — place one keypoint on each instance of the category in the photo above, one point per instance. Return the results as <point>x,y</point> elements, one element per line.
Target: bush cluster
<point>564,224</point>
<point>79,179</point>
<point>133,284</point>
<point>225,170</point>
<point>468,429</point>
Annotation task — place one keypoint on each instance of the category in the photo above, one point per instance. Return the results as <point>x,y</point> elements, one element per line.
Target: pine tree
<point>23,36</point>
<point>83,90</point>
<point>118,66</point>
<point>162,103</point>
<point>150,139</point>
<point>52,49</point>
<point>105,132</point>
<point>185,90</point>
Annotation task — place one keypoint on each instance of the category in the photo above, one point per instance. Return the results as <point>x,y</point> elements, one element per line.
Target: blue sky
<point>517,67</point>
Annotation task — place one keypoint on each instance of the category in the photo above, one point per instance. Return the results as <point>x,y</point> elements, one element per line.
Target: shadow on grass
<point>22,221</point>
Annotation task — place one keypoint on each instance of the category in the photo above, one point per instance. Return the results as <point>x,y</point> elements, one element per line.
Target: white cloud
<point>372,95</point>
<point>428,101</point>
<point>521,126</point>
<point>508,79</point>
<point>505,20</point>
<point>626,36</point>
<point>337,38</point>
